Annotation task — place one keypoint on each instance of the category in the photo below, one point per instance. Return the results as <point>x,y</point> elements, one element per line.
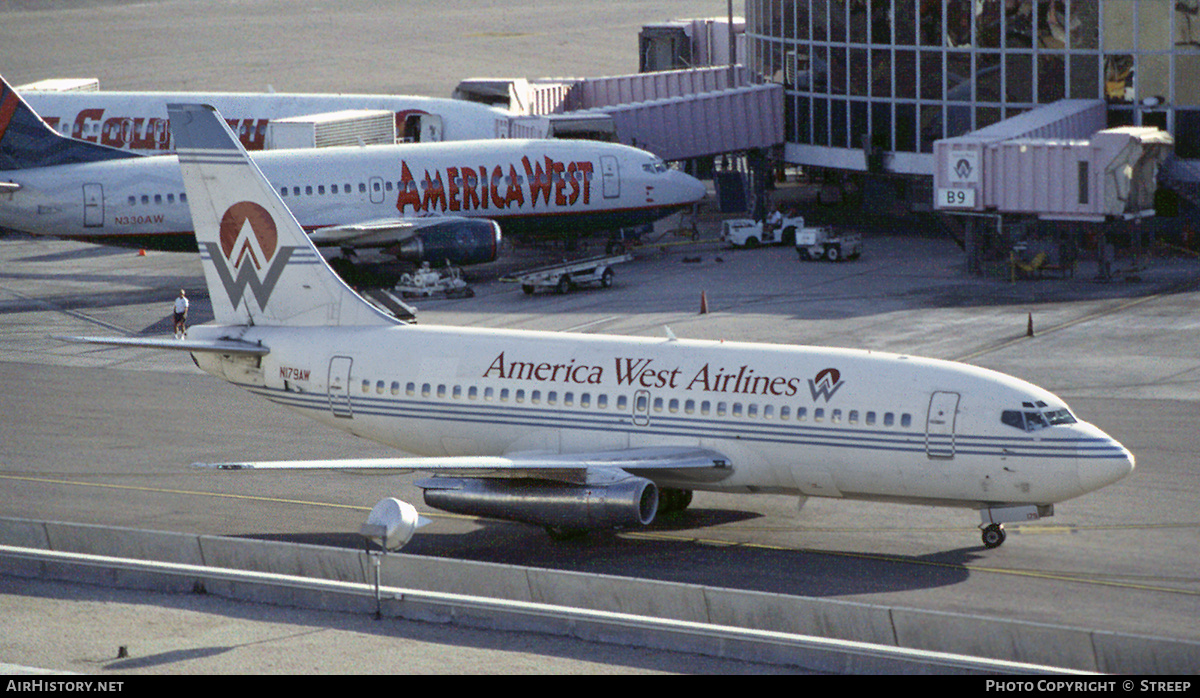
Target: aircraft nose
<point>1103,461</point>
<point>691,189</point>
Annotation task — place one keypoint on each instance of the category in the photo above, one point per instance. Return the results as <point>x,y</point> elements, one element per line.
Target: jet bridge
<point>675,114</point>
<point>1057,163</point>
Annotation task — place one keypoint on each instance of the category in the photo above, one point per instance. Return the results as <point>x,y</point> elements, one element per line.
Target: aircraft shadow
<point>799,572</point>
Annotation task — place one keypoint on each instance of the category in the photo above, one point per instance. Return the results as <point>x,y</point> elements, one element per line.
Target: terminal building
<point>942,109</point>
<point>872,87</point>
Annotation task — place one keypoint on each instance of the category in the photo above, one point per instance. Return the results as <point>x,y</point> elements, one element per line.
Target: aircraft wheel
<point>993,536</point>
<point>672,500</point>
<point>606,279</point>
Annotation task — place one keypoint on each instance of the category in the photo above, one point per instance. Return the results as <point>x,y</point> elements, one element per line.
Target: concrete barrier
<point>1000,639</point>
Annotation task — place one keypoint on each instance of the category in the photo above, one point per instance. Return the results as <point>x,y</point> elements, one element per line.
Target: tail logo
<point>825,384</point>
<point>248,254</point>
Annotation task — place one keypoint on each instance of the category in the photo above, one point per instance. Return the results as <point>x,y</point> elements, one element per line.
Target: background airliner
<point>420,202</point>
<point>137,121</point>
<point>576,432</point>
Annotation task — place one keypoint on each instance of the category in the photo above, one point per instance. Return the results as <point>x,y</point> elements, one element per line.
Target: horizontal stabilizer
<point>217,346</point>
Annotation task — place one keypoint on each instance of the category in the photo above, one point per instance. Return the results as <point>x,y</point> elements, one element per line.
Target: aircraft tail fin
<point>260,266</point>
<point>26,141</point>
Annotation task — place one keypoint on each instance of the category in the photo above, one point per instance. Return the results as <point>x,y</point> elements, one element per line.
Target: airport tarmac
<point>105,435</point>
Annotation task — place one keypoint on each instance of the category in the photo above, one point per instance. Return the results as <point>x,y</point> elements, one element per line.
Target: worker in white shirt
<point>181,311</point>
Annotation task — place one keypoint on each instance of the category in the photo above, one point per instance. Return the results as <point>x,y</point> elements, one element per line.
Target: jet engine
<point>554,505</point>
<point>459,241</point>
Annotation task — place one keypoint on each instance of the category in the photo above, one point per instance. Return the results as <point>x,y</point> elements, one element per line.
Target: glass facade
<point>896,75</point>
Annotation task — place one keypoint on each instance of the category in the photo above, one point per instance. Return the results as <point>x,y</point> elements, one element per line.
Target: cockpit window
<point>1034,418</point>
<point>656,167</point>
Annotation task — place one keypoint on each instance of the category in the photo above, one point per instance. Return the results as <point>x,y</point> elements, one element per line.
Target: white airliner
<point>420,202</point>
<point>137,121</point>
<point>574,432</point>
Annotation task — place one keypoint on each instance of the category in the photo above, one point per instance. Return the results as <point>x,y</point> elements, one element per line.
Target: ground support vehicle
<point>744,232</point>
<point>426,282</point>
<point>826,243</point>
<point>566,276</point>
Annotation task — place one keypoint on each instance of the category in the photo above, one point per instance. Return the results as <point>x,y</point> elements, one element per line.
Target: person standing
<point>181,311</point>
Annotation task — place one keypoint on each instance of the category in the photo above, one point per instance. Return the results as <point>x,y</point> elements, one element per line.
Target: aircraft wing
<point>667,463</point>
<point>384,232</point>
<point>380,233</point>
<point>217,346</point>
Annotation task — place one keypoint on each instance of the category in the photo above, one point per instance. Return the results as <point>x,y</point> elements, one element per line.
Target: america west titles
<point>644,373</point>
<point>481,188</point>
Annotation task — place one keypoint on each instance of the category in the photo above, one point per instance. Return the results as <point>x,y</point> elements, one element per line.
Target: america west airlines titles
<point>644,373</point>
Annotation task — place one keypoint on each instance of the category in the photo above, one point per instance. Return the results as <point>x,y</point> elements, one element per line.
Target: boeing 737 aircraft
<point>137,121</point>
<point>575,432</point>
<point>420,202</point>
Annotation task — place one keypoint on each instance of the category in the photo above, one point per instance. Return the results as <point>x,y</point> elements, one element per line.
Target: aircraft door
<point>610,174</point>
<point>93,206</point>
<point>376,186</point>
<point>339,386</point>
<point>641,408</point>
<point>939,425</point>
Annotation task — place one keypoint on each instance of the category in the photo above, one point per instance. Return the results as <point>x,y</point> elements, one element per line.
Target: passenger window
<point>602,401</point>
<point>721,407</point>
<point>457,392</point>
<point>673,405</point>
<point>835,416</point>
<point>785,412</point>
<point>379,387</point>
<point>705,407</point>
<point>853,418</point>
<point>426,389</point>
<point>395,387</point>
<point>410,389</point>
<point>819,414</point>
<point>905,420</point>
<point>585,400</point>
<point>519,396</point>
<point>689,406</point>
<point>552,397</point>
<point>622,402</point>
<point>889,419</point>
<point>871,418</point>
<point>535,396</point>
<point>658,404</point>
<point>752,410</point>
<point>568,399</point>
<point>473,392</point>
<point>366,386</point>
<point>801,414</point>
<point>768,411</point>
<point>441,391</point>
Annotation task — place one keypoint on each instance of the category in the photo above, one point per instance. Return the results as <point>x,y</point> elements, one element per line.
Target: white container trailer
<point>346,127</point>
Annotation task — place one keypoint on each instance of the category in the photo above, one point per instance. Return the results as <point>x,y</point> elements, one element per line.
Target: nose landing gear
<point>993,535</point>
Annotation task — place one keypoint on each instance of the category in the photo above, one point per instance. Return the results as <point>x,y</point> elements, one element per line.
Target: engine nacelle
<point>461,241</point>
<point>627,502</point>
